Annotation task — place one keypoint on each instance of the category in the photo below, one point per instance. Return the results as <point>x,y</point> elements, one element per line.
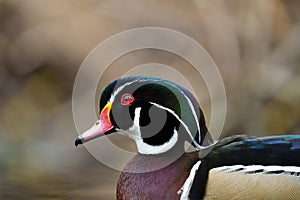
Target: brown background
<point>42,44</point>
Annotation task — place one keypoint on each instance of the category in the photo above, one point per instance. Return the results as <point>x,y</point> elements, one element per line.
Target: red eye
<point>127,99</point>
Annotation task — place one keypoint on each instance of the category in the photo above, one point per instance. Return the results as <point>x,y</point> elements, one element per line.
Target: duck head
<point>157,114</point>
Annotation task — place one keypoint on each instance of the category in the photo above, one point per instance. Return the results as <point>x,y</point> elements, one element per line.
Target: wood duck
<point>161,116</point>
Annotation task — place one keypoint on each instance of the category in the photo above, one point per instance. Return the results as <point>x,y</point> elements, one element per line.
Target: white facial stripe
<point>260,169</point>
<point>188,100</point>
<point>184,125</point>
<point>112,98</point>
<point>134,132</point>
<point>193,111</point>
<point>195,115</point>
<point>192,108</point>
<point>185,189</point>
<point>199,147</point>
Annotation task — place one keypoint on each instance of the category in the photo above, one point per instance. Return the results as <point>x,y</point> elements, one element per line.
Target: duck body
<point>161,183</point>
<point>237,168</point>
<point>161,116</point>
<point>228,185</point>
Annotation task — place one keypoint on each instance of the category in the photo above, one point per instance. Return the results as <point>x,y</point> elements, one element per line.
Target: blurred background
<point>254,43</point>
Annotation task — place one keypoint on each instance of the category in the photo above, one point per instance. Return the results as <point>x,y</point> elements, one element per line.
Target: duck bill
<point>102,127</point>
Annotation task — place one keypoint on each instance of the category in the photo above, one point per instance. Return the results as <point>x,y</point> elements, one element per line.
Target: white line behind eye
<point>198,146</point>
<point>112,98</point>
<point>184,125</point>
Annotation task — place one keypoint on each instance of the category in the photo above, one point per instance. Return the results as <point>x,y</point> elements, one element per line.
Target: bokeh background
<point>254,43</point>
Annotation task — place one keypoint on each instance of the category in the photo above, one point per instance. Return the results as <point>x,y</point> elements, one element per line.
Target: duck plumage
<point>236,167</point>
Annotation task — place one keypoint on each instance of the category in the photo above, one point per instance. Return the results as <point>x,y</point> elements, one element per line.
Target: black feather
<point>273,150</point>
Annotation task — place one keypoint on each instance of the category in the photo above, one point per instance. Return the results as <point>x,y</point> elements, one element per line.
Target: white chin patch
<point>134,133</point>
<point>145,148</point>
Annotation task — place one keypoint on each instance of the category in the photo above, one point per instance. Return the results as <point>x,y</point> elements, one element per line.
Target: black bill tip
<point>78,141</point>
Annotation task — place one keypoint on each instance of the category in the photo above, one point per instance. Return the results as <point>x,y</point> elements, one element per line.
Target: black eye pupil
<point>126,98</point>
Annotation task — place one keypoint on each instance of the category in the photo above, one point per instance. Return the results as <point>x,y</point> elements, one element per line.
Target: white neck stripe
<point>185,189</point>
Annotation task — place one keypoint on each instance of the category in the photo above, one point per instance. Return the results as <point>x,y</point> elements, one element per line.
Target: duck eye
<point>127,99</point>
